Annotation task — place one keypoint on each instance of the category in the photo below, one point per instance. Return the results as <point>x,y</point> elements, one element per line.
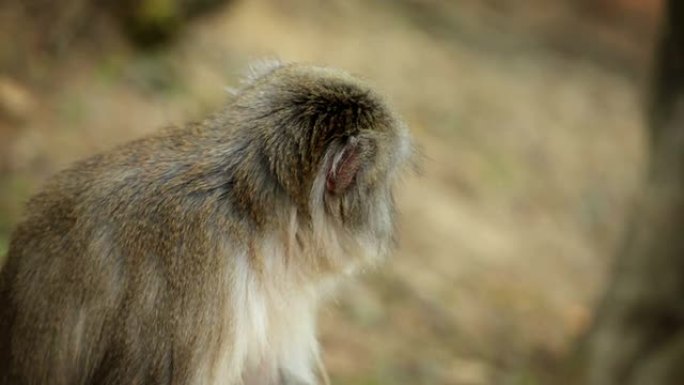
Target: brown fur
<point>119,272</point>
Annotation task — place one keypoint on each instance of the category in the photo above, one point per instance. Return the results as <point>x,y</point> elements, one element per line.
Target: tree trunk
<point>638,338</point>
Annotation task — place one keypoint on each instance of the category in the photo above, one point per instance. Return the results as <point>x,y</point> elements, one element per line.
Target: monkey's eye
<point>343,167</point>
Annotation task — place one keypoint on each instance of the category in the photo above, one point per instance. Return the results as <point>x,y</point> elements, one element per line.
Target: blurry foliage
<point>154,73</point>
<point>37,30</point>
<point>612,32</point>
<point>637,336</point>
<point>150,22</point>
<point>154,22</point>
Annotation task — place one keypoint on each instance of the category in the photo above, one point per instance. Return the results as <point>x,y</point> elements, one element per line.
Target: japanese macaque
<point>199,255</point>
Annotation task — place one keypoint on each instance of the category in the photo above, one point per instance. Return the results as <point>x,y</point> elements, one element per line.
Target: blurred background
<point>529,113</point>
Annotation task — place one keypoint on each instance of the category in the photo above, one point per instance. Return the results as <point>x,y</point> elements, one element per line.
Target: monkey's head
<point>333,148</point>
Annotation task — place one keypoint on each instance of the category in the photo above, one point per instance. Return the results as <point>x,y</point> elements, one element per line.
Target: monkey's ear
<point>343,167</point>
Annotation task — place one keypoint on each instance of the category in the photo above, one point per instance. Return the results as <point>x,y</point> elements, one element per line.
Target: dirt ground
<point>532,156</point>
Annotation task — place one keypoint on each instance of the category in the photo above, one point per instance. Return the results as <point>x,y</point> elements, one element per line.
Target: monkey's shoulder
<point>135,176</point>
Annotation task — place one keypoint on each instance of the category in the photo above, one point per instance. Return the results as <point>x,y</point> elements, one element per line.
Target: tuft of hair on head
<point>260,68</point>
<point>256,69</point>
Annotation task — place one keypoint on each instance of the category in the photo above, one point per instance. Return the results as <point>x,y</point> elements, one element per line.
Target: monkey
<point>200,254</point>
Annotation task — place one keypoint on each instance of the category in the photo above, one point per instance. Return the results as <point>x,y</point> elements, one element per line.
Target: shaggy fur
<point>199,255</point>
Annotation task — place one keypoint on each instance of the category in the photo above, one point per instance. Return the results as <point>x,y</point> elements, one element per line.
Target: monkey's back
<point>111,265</point>
<point>197,256</point>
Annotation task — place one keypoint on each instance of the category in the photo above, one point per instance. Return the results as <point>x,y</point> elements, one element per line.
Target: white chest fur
<point>274,299</point>
<point>273,328</point>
